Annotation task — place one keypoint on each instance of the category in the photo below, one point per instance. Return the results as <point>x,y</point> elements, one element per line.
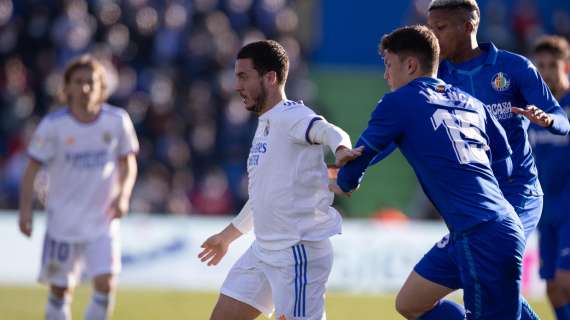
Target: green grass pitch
<point>23,303</point>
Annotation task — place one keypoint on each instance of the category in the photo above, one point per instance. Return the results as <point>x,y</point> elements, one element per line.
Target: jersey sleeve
<point>43,143</point>
<point>536,92</point>
<point>244,220</point>
<point>299,124</point>
<point>383,129</point>
<point>128,142</point>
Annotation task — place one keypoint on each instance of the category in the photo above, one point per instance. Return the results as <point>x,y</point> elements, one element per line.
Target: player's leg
<point>245,293</point>
<point>490,260</point>
<point>59,302</point>
<point>433,278</point>
<point>103,263</point>
<point>230,308</point>
<point>559,287</point>
<point>59,269</point>
<point>299,287</point>
<point>418,296</point>
<point>529,210</point>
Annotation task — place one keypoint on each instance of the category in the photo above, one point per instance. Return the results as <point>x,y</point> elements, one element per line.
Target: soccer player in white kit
<point>88,151</point>
<point>289,206</point>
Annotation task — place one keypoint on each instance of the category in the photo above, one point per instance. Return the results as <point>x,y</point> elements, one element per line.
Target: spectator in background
<point>171,68</point>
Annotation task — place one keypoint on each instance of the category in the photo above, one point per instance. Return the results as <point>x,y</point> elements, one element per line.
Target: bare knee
<point>104,283</point>
<point>409,309</point>
<point>228,308</point>
<point>555,294</point>
<point>60,292</point>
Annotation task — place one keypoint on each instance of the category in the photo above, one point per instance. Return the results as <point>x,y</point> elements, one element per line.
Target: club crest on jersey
<point>70,140</point>
<point>266,130</point>
<point>107,137</point>
<point>440,88</point>
<point>501,82</point>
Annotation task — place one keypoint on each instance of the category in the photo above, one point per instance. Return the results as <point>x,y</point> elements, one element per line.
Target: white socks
<point>100,307</point>
<point>58,308</point>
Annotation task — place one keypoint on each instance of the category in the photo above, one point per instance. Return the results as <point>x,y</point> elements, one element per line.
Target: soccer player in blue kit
<point>512,89</point>
<point>552,57</point>
<point>445,135</point>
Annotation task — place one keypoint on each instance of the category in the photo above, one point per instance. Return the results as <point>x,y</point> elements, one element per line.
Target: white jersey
<point>82,167</point>
<point>289,197</point>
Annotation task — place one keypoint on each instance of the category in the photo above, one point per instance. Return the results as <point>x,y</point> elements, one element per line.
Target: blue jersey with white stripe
<point>444,134</point>
<point>502,80</point>
<point>552,154</point>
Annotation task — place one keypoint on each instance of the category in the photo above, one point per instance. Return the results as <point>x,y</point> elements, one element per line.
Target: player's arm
<point>216,246</point>
<point>27,196</point>
<point>41,150</point>
<point>127,168</point>
<point>319,131</point>
<point>542,109</point>
<point>383,129</point>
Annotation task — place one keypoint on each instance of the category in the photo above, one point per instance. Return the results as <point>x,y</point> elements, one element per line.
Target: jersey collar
<point>492,54</point>
<point>270,111</point>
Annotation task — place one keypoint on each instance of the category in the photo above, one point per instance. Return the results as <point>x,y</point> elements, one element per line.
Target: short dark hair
<point>554,45</point>
<point>418,41</point>
<point>267,55</point>
<point>470,7</point>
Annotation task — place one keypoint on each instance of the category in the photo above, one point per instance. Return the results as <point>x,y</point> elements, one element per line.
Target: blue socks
<point>445,309</point>
<point>526,311</point>
<point>563,312</point>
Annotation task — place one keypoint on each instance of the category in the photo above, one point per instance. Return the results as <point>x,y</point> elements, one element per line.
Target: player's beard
<point>259,100</point>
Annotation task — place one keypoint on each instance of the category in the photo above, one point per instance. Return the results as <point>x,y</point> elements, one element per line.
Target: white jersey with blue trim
<point>288,181</point>
<point>81,160</point>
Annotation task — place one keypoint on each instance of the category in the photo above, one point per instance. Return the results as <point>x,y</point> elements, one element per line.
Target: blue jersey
<point>502,80</point>
<point>444,134</point>
<point>552,154</point>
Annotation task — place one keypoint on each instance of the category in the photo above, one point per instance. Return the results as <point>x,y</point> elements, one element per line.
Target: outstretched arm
<point>216,246</point>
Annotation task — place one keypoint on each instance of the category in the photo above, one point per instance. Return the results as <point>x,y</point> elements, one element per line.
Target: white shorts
<point>63,262</point>
<point>296,289</point>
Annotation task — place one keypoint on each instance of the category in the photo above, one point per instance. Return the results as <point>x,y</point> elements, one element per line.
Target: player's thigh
<point>529,210</point>
<point>419,295</point>
<point>299,289</point>
<point>247,284</point>
<point>548,249</point>
<point>491,268</point>
<point>228,308</point>
<point>60,263</point>
<point>434,276</point>
<point>103,259</point>
<point>563,255</point>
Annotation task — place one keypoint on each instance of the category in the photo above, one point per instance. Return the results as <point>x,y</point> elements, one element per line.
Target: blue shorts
<point>486,262</point>
<point>443,270</point>
<point>554,247</point>
<point>529,210</point>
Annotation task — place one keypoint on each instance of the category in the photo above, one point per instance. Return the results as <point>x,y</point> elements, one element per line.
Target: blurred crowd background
<point>170,65</point>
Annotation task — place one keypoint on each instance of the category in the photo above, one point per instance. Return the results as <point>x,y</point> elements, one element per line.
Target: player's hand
<point>344,155</point>
<point>215,249</point>
<point>333,187</point>
<point>25,222</point>
<point>119,208</point>
<point>535,115</point>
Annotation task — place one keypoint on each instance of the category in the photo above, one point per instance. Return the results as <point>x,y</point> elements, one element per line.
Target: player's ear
<point>271,77</point>
<point>567,66</point>
<point>412,64</point>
